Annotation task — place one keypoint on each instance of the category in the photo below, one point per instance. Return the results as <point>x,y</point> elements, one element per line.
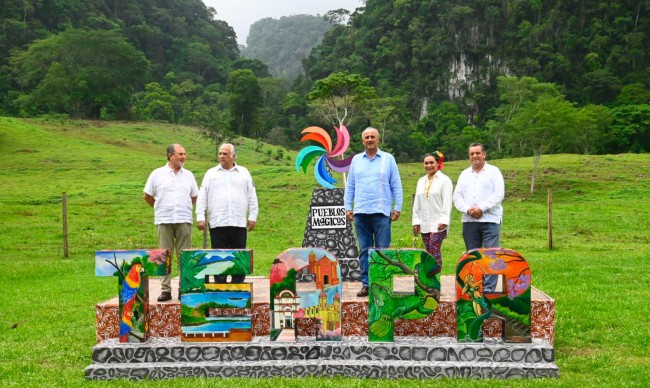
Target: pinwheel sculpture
<point>325,154</point>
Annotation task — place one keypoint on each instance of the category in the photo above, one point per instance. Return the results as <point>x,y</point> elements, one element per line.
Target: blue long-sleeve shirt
<point>374,185</point>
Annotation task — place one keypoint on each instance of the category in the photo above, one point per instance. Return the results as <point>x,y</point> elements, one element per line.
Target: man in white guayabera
<point>228,194</point>
<point>171,190</point>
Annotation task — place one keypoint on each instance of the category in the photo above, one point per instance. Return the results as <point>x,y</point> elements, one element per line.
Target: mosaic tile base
<point>407,357</point>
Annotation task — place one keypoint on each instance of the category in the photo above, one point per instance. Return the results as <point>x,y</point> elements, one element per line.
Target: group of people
<point>373,200</point>
<point>227,194</point>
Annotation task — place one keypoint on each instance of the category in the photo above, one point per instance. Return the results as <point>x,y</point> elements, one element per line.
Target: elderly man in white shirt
<point>228,194</point>
<point>171,190</point>
<point>478,195</point>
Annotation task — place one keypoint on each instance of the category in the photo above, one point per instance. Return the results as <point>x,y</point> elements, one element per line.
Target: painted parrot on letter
<point>127,298</point>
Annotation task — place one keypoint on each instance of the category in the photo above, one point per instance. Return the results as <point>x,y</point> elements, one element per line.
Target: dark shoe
<point>165,296</point>
<point>363,292</point>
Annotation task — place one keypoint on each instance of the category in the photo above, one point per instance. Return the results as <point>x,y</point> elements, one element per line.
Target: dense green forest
<point>445,60</point>
<point>283,43</point>
<point>526,77</point>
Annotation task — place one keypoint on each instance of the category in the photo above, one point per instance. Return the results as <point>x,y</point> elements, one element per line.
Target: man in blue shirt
<point>375,188</point>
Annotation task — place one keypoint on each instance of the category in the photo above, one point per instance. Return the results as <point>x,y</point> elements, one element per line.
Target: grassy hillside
<point>597,271</point>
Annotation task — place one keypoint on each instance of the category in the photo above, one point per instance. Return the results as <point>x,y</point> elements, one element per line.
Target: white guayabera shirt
<point>228,195</point>
<point>484,189</point>
<point>173,195</point>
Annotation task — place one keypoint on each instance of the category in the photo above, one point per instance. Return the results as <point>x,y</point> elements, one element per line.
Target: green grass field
<point>597,271</point>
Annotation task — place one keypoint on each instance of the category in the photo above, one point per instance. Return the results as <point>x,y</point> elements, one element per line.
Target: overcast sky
<point>240,14</point>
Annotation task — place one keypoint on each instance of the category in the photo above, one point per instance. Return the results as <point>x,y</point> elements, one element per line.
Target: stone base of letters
<point>407,357</point>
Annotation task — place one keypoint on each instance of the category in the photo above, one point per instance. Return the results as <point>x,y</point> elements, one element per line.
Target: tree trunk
<point>537,156</point>
<point>345,178</point>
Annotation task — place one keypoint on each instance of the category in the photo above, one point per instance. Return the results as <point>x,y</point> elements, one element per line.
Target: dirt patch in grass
<point>552,170</point>
<point>118,143</point>
<point>582,352</point>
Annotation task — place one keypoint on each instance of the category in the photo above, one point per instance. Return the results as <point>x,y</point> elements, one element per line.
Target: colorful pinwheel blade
<point>322,170</point>
<point>306,155</point>
<point>322,176</point>
<point>340,165</point>
<point>319,135</point>
<point>342,141</point>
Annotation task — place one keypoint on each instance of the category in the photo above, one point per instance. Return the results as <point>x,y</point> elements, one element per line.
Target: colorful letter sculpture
<point>133,269</point>
<point>296,303</point>
<point>211,309</point>
<point>384,304</point>
<point>493,283</point>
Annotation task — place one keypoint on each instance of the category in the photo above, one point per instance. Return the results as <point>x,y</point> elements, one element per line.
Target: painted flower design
<point>518,285</point>
<point>158,256</point>
<point>498,265</point>
<point>490,254</point>
<point>325,154</point>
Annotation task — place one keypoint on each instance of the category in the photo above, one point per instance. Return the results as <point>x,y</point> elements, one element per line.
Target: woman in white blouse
<point>432,205</point>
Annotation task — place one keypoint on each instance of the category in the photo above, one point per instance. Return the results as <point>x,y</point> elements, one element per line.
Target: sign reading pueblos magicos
<point>328,217</point>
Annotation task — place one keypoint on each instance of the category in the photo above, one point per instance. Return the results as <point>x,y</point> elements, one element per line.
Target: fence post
<point>550,218</point>
<point>64,205</point>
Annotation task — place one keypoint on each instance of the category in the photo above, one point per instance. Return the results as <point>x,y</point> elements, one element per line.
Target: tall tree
<point>539,125</point>
<point>514,93</point>
<point>385,112</point>
<point>244,94</point>
<point>154,103</point>
<point>81,71</point>
<point>259,68</point>
<point>630,128</point>
<point>592,135</point>
<point>338,96</point>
